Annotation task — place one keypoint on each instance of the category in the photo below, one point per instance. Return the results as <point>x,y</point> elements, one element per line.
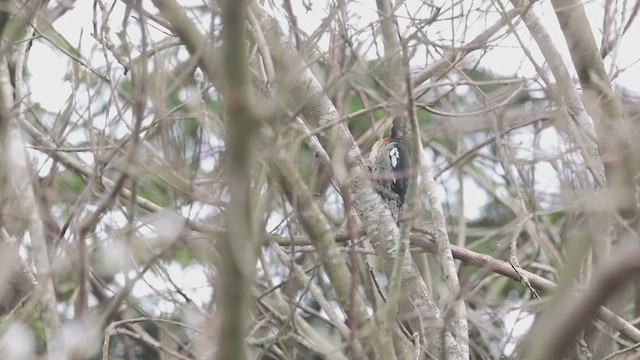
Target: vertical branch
<point>44,269</point>
<point>391,46</point>
<point>392,62</point>
<point>457,348</point>
<point>236,247</point>
<point>8,94</point>
<point>237,265</point>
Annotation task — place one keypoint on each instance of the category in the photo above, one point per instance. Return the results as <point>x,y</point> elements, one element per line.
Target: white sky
<point>48,67</point>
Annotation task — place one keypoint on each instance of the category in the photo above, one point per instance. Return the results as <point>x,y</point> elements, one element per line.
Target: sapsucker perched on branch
<point>390,165</point>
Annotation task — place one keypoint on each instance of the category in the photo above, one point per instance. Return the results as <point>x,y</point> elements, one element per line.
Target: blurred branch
<point>574,313</point>
<point>121,327</point>
<point>196,43</point>
<point>45,274</point>
<point>391,49</point>
<point>316,292</point>
<point>278,309</point>
<point>316,227</point>
<point>237,246</point>
<point>81,168</point>
<point>21,174</point>
<point>615,145</point>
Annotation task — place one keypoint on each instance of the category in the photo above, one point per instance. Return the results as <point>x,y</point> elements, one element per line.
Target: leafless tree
<point>205,192</point>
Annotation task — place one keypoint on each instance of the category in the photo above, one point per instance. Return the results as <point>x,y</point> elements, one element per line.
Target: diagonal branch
<point>315,226</point>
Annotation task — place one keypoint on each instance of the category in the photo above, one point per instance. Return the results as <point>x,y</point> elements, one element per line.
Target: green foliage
<point>306,164</point>
<point>154,189</point>
<point>361,123</point>
<point>424,117</point>
<point>68,186</point>
<point>378,72</point>
<point>183,256</point>
<point>38,325</point>
<point>58,41</point>
<point>190,128</point>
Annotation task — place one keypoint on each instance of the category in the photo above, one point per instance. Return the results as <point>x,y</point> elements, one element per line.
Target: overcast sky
<point>48,67</point>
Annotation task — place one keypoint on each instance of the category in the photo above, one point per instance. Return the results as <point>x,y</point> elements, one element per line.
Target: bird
<point>390,165</point>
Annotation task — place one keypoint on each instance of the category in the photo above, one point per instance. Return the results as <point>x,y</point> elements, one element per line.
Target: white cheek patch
<point>394,155</point>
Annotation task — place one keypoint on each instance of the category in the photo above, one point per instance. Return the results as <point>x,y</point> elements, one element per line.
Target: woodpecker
<point>389,159</point>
